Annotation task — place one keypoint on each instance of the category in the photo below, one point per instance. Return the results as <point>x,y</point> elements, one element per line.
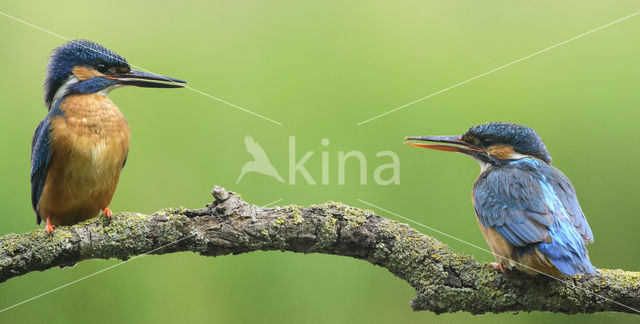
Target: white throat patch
<point>484,166</point>
<point>64,88</point>
<point>105,91</point>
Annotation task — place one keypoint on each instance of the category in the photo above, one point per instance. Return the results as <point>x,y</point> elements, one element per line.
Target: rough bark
<point>444,281</point>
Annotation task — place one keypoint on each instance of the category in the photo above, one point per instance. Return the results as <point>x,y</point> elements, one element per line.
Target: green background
<point>321,67</point>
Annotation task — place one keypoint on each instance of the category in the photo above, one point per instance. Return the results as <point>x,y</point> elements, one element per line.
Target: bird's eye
<point>486,142</point>
<point>102,68</point>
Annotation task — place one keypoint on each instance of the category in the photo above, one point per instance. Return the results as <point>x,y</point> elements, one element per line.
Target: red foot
<point>49,227</point>
<point>107,212</point>
<point>498,266</point>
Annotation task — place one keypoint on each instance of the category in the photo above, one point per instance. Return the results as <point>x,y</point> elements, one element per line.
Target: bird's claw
<point>49,227</point>
<point>107,212</point>
<point>498,266</point>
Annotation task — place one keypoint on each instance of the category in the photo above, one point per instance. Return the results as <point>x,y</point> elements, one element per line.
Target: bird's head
<point>82,66</point>
<point>491,143</point>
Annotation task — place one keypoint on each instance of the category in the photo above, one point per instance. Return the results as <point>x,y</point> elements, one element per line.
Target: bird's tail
<point>567,250</point>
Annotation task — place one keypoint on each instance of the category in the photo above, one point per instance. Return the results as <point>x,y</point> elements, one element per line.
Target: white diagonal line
<point>143,69</point>
<point>32,25</point>
<point>498,68</point>
<point>93,274</point>
<point>271,203</point>
<point>230,104</point>
<point>502,257</point>
<point>109,268</point>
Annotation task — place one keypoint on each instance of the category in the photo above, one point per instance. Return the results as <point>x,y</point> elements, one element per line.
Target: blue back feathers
<point>77,53</point>
<point>41,152</point>
<point>532,204</point>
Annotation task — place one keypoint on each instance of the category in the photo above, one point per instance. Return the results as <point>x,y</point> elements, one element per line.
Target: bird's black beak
<point>460,145</point>
<point>146,80</point>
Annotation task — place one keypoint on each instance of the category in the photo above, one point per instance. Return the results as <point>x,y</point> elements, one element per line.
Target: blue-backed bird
<point>527,209</point>
<point>81,145</point>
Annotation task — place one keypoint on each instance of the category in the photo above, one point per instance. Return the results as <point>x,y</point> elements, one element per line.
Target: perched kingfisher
<point>527,209</point>
<point>81,145</point>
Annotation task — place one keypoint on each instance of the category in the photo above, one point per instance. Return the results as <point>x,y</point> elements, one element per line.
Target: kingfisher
<point>81,145</point>
<point>527,210</point>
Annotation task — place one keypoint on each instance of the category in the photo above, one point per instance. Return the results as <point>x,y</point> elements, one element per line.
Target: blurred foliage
<point>321,67</point>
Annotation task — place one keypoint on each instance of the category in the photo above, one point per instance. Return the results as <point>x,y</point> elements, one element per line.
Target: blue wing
<point>40,156</point>
<point>531,204</point>
<point>565,192</point>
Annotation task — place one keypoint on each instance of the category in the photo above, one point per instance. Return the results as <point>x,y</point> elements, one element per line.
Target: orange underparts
<point>49,227</point>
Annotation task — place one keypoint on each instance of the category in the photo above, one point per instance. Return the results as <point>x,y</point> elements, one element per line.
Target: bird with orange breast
<point>527,210</point>
<point>81,145</point>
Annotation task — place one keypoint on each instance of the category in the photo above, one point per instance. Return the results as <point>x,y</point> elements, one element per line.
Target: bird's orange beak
<point>459,146</point>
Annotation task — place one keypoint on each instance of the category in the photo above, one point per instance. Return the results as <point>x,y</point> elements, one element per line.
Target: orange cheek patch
<point>85,73</point>
<point>502,152</point>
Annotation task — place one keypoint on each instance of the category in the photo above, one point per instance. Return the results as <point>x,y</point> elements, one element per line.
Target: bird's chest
<point>91,137</point>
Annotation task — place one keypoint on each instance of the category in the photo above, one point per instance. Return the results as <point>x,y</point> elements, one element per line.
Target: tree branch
<point>444,281</point>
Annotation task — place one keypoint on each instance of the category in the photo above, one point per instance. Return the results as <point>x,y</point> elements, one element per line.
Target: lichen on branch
<point>444,281</point>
